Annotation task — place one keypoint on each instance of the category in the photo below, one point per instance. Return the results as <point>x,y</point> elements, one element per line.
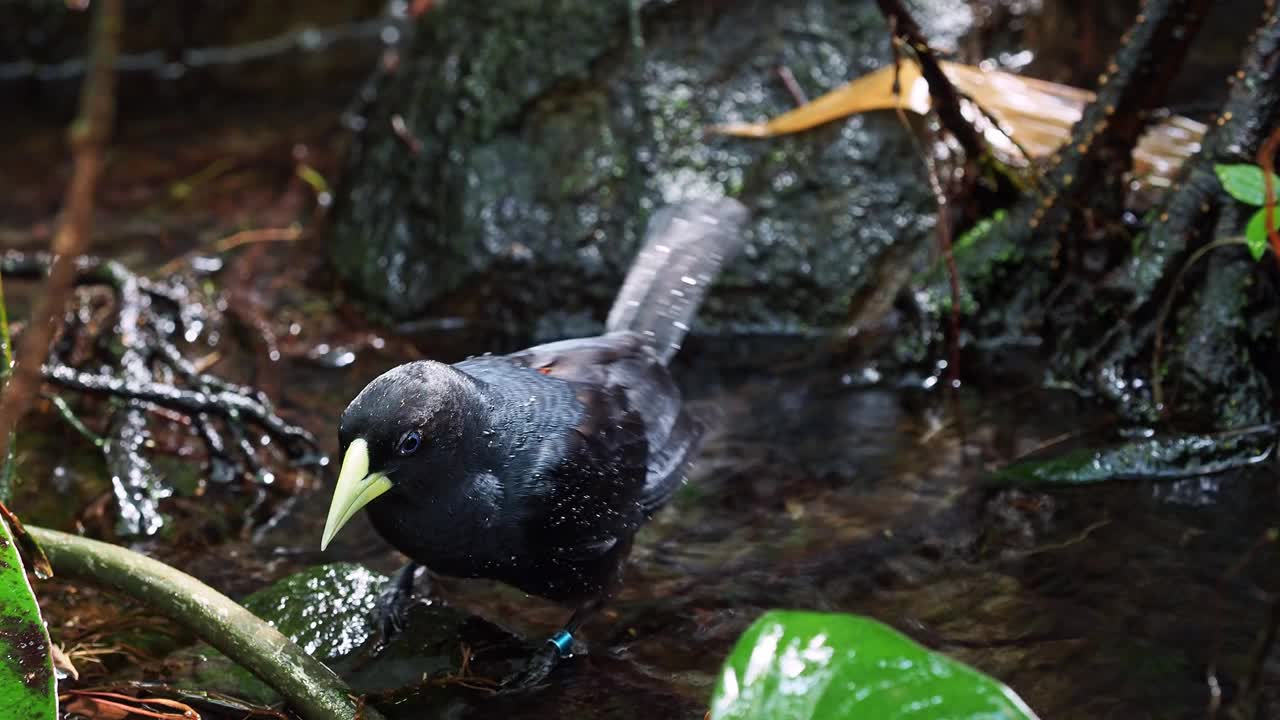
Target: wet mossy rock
<point>550,131</point>
<point>328,611</point>
<point>324,609</point>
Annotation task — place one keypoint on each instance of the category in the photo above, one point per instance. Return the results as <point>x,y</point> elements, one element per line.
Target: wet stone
<point>530,192</point>
<point>329,611</point>
<point>325,609</point>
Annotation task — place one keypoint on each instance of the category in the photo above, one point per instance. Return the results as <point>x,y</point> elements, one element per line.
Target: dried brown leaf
<point>1034,114</point>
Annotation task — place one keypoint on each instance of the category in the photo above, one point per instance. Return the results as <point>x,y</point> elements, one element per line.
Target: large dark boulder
<point>542,135</point>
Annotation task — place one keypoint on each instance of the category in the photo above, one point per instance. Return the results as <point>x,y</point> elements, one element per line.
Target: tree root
<point>307,684</point>
<point>148,316</point>
<point>228,404</point>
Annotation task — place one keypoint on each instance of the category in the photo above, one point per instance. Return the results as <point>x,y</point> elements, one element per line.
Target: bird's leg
<point>556,648</point>
<point>394,601</point>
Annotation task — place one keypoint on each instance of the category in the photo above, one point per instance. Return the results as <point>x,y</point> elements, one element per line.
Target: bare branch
<point>88,136</point>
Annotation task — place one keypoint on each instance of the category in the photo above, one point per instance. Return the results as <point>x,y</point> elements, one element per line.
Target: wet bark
<point>1063,266</point>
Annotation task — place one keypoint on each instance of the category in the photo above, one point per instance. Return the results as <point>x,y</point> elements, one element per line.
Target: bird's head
<point>413,428</point>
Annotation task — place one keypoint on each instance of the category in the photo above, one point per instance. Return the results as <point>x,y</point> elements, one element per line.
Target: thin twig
<point>148,313</point>
<point>953,274</point>
<point>6,354</point>
<point>946,100</point>
<point>402,131</point>
<point>31,550</point>
<point>1267,161</point>
<point>1261,651</point>
<point>88,135</point>
<point>1211,672</point>
<point>246,237</point>
<point>789,82</point>
<point>230,405</point>
<point>945,249</point>
<point>1157,348</point>
<point>76,423</point>
<point>239,239</point>
<point>1064,544</point>
<point>7,462</point>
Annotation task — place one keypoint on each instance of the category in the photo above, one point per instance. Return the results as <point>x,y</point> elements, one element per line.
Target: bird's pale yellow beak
<point>356,488</point>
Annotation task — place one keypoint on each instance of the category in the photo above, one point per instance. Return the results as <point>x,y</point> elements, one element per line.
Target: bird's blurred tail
<point>684,248</point>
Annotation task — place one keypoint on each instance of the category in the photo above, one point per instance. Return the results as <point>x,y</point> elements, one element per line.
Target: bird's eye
<point>410,443</point>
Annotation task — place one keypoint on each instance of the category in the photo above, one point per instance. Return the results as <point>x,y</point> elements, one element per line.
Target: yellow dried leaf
<point>1035,114</point>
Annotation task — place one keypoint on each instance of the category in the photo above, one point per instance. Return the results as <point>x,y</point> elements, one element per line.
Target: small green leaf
<point>312,177</point>
<point>824,666</point>
<point>1244,182</point>
<point>980,228</point>
<point>27,685</point>
<point>1162,458</point>
<point>1255,235</point>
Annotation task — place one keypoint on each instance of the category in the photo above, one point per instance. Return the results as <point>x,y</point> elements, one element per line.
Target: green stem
<point>7,462</point>
<point>76,424</point>
<point>308,685</point>
<point>6,355</point>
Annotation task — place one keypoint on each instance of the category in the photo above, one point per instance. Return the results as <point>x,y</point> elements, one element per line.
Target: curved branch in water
<point>307,684</point>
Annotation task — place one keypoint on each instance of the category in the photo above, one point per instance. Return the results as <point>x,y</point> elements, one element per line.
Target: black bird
<point>537,468</point>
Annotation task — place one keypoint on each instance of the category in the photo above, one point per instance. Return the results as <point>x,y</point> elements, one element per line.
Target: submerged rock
<point>328,610</point>
<point>507,168</point>
<point>325,609</point>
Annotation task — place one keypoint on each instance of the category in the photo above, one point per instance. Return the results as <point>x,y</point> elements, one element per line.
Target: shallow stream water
<point>822,485</point>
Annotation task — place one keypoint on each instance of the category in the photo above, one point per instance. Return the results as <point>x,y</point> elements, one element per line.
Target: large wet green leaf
<point>1245,182</point>
<point>1165,458</point>
<point>27,685</point>
<point>822,666</point>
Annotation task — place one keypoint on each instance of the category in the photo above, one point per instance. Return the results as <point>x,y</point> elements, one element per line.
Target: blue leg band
<point>562,641</point>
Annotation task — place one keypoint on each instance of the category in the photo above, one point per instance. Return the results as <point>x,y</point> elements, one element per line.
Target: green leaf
<point>809,666</point>
<point>1255,235</point>
<point>27,685</point>
<point>1163,458</point>
<point>1244,182</point>
<point>980,228</point>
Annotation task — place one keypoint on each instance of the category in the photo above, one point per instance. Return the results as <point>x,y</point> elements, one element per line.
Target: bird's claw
<point>392,607</point>
<point>534,672</point>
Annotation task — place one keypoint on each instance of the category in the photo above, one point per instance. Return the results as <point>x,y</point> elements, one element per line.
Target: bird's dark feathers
<point>537,468</point>
<point>624,364</point>
<point>685,246</point>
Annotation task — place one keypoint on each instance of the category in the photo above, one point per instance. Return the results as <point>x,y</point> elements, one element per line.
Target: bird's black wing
<point>578,457</point>
<point>625,379</point>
